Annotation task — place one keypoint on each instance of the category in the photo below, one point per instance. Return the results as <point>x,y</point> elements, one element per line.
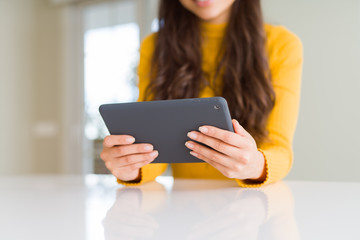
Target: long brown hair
<point>242,62</point>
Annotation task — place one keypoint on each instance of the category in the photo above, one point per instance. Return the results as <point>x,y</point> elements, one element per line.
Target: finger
<point>215,143</point>
<point>113,140</point>
<point>239,129</point>
<point>223,135</point>
<point>119,151</point>
<point>211,154</point>
<point>132,159</point>
<point>221,168</point>
<point>129,172</point>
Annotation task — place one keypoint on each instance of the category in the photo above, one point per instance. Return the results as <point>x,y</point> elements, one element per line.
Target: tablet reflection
<point>188,212</point>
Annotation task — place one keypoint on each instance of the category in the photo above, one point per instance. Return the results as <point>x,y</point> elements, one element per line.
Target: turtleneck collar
<point>212,30</point>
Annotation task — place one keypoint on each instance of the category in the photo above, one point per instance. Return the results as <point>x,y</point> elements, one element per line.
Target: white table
<point>95,207</point>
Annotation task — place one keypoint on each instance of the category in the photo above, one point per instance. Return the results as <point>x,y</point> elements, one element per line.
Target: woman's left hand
<point>235,155</point>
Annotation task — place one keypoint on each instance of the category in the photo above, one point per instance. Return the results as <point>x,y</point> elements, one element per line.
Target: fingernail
<point>203,129</point>
<point>192,135</point>
<point>148,148</point>
<point>194,154</point>
<point>130,139</point>
<point>189,145</point>
<point>153,154</point>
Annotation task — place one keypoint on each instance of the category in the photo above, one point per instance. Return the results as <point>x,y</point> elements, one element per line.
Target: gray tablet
<point>165,123</point>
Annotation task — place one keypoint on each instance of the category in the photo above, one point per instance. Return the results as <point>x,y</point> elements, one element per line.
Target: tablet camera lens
<point>217,107</point>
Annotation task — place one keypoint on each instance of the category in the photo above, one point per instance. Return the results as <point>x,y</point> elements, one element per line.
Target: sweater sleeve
<point>285,58</point>
<point>150,171</point>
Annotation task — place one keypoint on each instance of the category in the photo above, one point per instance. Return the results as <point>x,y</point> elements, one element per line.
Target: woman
<point>208,48</point>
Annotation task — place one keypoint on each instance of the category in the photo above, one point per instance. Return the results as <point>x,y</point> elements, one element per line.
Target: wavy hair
<point>242,63</point>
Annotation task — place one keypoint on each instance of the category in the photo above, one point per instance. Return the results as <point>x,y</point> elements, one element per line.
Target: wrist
<point>138,178</point>
<point>134,178</point>
<point>260,175</point>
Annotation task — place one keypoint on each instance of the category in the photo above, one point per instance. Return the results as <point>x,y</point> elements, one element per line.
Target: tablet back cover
<point>165,123</point>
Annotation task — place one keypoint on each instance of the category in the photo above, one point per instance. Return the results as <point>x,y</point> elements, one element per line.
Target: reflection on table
<point>201,209</point>
<point>95,207</point>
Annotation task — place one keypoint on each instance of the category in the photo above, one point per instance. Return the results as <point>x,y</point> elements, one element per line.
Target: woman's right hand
<point>124,158</point>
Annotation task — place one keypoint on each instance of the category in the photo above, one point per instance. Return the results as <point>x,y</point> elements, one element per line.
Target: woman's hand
<point>124,158</point>
<point>236,154</point>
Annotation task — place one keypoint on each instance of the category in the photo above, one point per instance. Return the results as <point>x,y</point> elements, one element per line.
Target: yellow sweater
<point>284,50</point>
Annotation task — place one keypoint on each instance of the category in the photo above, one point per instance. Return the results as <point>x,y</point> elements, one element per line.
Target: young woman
<point>208,48</point>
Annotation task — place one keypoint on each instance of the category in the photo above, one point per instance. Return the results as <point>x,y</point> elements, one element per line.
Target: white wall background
<point>15,72</point>
<point>327,140</point>
<point>30,87</point>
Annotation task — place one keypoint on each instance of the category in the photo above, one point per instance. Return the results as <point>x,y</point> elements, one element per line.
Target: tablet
<point>165,123</point>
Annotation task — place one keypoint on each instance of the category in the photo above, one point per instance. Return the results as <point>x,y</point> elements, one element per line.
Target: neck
<point>222,18</point>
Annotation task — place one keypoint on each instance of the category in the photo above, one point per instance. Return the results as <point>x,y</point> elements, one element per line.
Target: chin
<point>207,16</point>
<point>209,10</point>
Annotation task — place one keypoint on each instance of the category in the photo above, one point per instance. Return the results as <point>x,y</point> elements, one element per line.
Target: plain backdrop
<point>327,139</point>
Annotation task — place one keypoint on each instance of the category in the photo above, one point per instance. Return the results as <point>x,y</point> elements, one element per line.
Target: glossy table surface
<point>96,207</point>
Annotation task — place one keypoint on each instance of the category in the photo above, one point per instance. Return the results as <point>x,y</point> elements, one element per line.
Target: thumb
<point>238,128</point>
